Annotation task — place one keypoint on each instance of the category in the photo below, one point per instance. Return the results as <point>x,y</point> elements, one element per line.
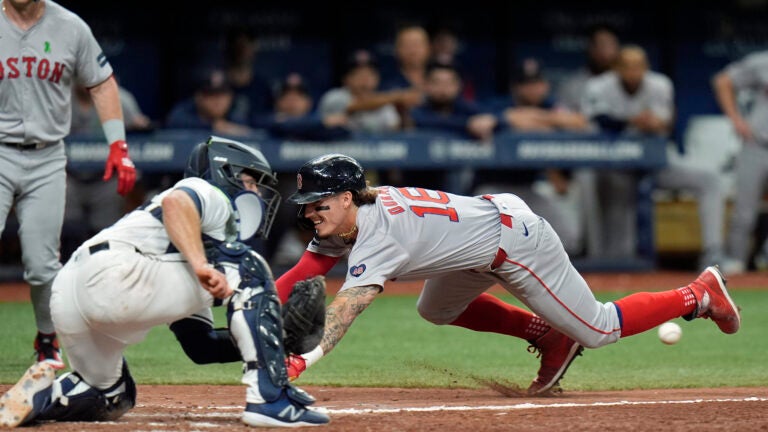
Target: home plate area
<point>206,408</point>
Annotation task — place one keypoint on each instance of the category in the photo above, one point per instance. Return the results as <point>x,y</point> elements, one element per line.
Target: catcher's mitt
<point>304,316</point>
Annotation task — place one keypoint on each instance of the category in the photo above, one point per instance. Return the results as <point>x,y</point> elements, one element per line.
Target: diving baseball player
<point>44,48</point>
<point>179,253</point>
<point>462,246</point>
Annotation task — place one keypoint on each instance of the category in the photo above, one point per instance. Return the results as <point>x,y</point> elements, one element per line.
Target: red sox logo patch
<point>357,270</point>
<point>298,181</point>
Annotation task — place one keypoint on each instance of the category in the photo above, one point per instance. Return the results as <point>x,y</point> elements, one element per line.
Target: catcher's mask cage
<point>221,162</point>
<point>327,175</point>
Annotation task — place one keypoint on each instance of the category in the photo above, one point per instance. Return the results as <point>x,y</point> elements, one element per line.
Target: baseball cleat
<point>17,406</point>
<point>47,350</point>
<point>282,413</point>
<point>713,301</point>
<point>557,351</point>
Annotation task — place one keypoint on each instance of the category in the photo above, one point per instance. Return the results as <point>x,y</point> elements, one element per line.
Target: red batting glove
<point>295,365</point>
<point>126,172</point>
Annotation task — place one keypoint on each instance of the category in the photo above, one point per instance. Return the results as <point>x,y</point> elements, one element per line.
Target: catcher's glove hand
<point>304,316</point>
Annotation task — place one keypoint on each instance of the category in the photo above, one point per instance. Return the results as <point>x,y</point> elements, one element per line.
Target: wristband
<point>114,130</point>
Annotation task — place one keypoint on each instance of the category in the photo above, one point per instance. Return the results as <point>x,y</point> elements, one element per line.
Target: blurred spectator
<point>444,110</point>
<point>294,117</point>
<point>634,100</point>
<point>529,107</point>
<point>412,54</point>
<point>749,73</point>
<point>601,55</point>
<point>91,203</point>
<point>253,94</point>
<point>368,110</point>
<point>445,46</point>
<point>210,108</point>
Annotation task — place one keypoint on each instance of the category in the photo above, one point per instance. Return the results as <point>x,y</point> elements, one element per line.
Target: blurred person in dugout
<point>444,110</point>
<point>367,109</point>
<point>412,56</point>
<point>530,108</point>
<point>602,51</point>
<point>91,203</point>
<point>601,55</point>
<point>637,101</point>
<point>252,92</point>
<point>748,74</point>
<point>446,47</point>
<point>210,107</point>
<point>294,117</point>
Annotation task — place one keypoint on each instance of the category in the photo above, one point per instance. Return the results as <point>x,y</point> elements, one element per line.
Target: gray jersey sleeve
<point>92,66</point>
<point>746,72</point>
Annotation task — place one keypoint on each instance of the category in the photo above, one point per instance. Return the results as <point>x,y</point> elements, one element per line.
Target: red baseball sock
<point>646,310</point>
<point>487,313</point>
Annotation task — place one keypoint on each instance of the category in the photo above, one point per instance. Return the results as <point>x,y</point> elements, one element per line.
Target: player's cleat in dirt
<point>25,399</point>
<point>557,351</point>
<point>713,301</point>
<point>283,412</point>
<point>47,350</point>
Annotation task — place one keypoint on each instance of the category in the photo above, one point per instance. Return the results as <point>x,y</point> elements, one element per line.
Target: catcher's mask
<point>327,175</point>
<point>221,162</point>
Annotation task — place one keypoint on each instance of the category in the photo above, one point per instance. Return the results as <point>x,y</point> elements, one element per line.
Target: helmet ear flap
<point>197,163</point>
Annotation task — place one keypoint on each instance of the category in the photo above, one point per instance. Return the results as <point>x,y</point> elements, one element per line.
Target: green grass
<point>390,345</point>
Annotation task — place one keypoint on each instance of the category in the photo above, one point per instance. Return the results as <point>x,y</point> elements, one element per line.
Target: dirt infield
<point>211,408</point>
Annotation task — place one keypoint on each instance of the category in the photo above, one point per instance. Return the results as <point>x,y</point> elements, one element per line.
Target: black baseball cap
<point>212,81</point>
<point>527,71</point>
<point>360,58</point>
<point>292,82</point>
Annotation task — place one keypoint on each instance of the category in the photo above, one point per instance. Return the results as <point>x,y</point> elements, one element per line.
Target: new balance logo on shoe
<point>291,413</point>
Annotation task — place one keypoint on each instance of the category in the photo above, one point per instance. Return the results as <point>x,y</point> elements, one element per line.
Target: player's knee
<point>38,272</point>
<point>437,317</point>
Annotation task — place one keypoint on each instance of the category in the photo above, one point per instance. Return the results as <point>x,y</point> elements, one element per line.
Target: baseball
<point>670,333</point>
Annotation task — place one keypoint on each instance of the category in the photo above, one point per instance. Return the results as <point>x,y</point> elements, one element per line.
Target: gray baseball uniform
<point>605,95</point>
<point>463,246</point>
<point>37,68</point>
<point>750,73</point>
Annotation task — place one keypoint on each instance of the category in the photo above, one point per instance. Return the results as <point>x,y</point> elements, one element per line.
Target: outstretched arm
<point>343,310</point>
<point>339,315</point>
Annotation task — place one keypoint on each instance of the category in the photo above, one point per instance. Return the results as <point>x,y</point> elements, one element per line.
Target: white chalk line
<point>237,410</point>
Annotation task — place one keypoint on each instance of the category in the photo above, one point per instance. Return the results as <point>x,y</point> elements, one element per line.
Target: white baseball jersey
<point>129,278</point>
<point>605,95</point>
<point>143,230</point>
<point>464,245</point>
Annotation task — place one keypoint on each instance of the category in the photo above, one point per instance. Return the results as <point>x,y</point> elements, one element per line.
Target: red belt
<point>506,220</point>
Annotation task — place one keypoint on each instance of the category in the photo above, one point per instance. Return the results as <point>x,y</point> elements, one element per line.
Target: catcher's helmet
<point>220,162</point>
<point>327,175</point>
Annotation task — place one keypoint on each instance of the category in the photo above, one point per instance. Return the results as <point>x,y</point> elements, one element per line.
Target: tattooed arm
<point>339,315</point>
